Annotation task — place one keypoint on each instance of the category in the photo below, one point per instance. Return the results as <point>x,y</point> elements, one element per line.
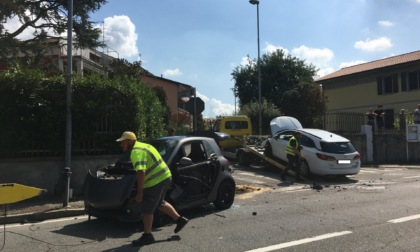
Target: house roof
<point>395,60</point>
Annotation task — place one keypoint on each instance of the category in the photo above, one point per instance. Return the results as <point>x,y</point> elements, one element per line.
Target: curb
<point>42,216</point>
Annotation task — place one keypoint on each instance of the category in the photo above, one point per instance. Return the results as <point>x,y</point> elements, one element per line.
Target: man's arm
<point>140,185</point>
<point>294,144</point>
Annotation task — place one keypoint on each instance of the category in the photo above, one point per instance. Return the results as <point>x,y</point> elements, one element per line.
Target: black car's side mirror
<point>213,156</point>
<point>185,161</point>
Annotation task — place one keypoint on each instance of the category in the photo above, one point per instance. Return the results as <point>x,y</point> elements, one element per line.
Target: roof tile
<point>395,60</point>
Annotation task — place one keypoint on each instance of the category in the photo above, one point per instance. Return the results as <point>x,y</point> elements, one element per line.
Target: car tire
<point>304,169</point>
<point>244,159</point>
<point>225,195</point>
<point>268,151</point>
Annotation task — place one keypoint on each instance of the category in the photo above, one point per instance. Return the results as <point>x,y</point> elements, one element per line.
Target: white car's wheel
<point>304,169</point>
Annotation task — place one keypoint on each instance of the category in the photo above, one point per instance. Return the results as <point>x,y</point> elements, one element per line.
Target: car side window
<point>195,151</point>
<point>209,150</point>
<point>306,141</point>
<point>285,136</point>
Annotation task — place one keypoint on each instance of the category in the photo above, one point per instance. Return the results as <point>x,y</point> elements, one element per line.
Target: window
<point>337,147</point>
<point>307,142</point>
<point>410,80</point>
<point>387,84</point>
<point>236,125</point>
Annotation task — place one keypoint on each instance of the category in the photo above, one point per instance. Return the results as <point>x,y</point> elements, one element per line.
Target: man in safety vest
<point>293,156</point>
<point>153,181</point>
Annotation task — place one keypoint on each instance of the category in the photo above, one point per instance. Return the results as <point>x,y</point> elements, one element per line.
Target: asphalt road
<point>376,210</point>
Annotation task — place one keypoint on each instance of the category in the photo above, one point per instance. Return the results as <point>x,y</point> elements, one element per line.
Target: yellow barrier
<point>12,192</point>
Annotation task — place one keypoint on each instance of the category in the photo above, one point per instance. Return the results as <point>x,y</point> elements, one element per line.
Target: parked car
<point>324,152</point>
<point>201,175</point>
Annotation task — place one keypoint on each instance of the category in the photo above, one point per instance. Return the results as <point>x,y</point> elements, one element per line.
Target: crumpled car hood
<point>284,123</point>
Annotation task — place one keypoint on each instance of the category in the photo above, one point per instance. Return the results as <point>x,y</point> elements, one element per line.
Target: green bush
<point>33,112</point>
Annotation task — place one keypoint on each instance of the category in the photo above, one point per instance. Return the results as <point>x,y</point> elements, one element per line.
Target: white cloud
<point>374,45</point>
<point>13,24</point>
<point>351,63</point>
<point>269,48</point>
<point>386,23</point>
<point>120,35</point>
<point>218,108</point>
<point>203,97</point>
<point>214,107</point>
<point>171,72</point>
<point>246,61</point>
<point>324,71</point>
<point>316,56</point>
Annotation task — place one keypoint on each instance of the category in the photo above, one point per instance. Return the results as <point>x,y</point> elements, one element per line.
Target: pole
<point>259,73</point>
<point>257,2</point>
<point>67,154</point>
<point>195,109</point>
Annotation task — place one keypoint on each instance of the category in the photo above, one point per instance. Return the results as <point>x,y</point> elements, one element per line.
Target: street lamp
<point>256,2</point>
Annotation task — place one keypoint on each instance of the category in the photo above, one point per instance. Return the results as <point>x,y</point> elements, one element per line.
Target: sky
<point>199,43</point>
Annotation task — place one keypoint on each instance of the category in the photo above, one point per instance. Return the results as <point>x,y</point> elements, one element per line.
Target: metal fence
<point>350,123</point>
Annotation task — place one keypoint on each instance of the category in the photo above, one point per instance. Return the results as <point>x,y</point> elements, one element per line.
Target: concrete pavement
<point>43,208</point>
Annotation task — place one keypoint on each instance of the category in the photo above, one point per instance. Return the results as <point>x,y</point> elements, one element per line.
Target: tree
<point>122,67</point>
<point>47,19</point>
<point>281,75</point>
<point>306,102</point>
<point>269,111</point>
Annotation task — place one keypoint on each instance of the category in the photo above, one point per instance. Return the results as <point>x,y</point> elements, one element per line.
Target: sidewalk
<point>39,209</point>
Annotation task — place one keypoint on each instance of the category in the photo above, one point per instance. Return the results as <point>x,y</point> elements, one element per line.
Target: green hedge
<point>33,112</point>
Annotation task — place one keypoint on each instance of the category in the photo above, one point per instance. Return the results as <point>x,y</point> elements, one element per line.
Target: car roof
<point>181,138</point>
<point>324,135</point>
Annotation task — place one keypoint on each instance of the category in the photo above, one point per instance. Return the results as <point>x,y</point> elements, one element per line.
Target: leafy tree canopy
<point>269,111</point>
<point>46,19</point>
<point>286,82</point>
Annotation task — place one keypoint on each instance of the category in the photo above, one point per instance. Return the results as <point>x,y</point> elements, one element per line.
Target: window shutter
<point>395,83</point>
<point>403,81</point>
<point>379,85</point>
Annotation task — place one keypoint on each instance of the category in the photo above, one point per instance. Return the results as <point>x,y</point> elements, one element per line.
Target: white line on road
<point>299,242</point>
<point>412,177</point>
<point>48,221</point>
<point>408,218</point>
<point>368,171</point>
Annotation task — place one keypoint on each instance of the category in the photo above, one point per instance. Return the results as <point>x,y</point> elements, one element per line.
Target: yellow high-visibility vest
<point>289,149</point>
<point>146,157</point>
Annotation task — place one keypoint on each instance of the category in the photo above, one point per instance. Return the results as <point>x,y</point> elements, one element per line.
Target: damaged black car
<point>201,176</point>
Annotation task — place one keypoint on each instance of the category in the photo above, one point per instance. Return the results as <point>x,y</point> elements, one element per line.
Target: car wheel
<point>268,151</point>
<point>244,159</point>
<point>304,169</point>
<point>225,195</point>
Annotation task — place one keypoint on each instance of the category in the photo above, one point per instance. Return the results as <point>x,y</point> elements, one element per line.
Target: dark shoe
<point>145,239</point>
<point>180,224</point>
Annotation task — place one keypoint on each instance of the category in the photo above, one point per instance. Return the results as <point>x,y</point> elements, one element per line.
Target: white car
<point>324,152</point>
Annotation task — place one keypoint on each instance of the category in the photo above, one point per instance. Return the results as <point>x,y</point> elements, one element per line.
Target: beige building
<point>393,82</point>
<point>175,92</point>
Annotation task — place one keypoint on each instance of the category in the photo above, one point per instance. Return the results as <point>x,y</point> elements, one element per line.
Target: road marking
<point>368,171</point>
<point>408,218</point>
<point>412,177</point>
<point>81,217</point>
<point>257,176</point>
<point>299,242</point>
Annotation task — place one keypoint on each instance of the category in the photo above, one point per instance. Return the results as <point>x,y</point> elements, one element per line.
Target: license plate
<point>343,161</point>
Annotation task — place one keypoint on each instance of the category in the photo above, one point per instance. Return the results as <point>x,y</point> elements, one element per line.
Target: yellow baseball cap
<point>127,135</point>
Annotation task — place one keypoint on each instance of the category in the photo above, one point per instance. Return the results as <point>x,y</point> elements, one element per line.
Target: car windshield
<point>337,147</point>
<point>164,147</point>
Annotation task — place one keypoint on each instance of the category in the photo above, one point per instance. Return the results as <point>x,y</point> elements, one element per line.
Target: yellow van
<point>236,126</point>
